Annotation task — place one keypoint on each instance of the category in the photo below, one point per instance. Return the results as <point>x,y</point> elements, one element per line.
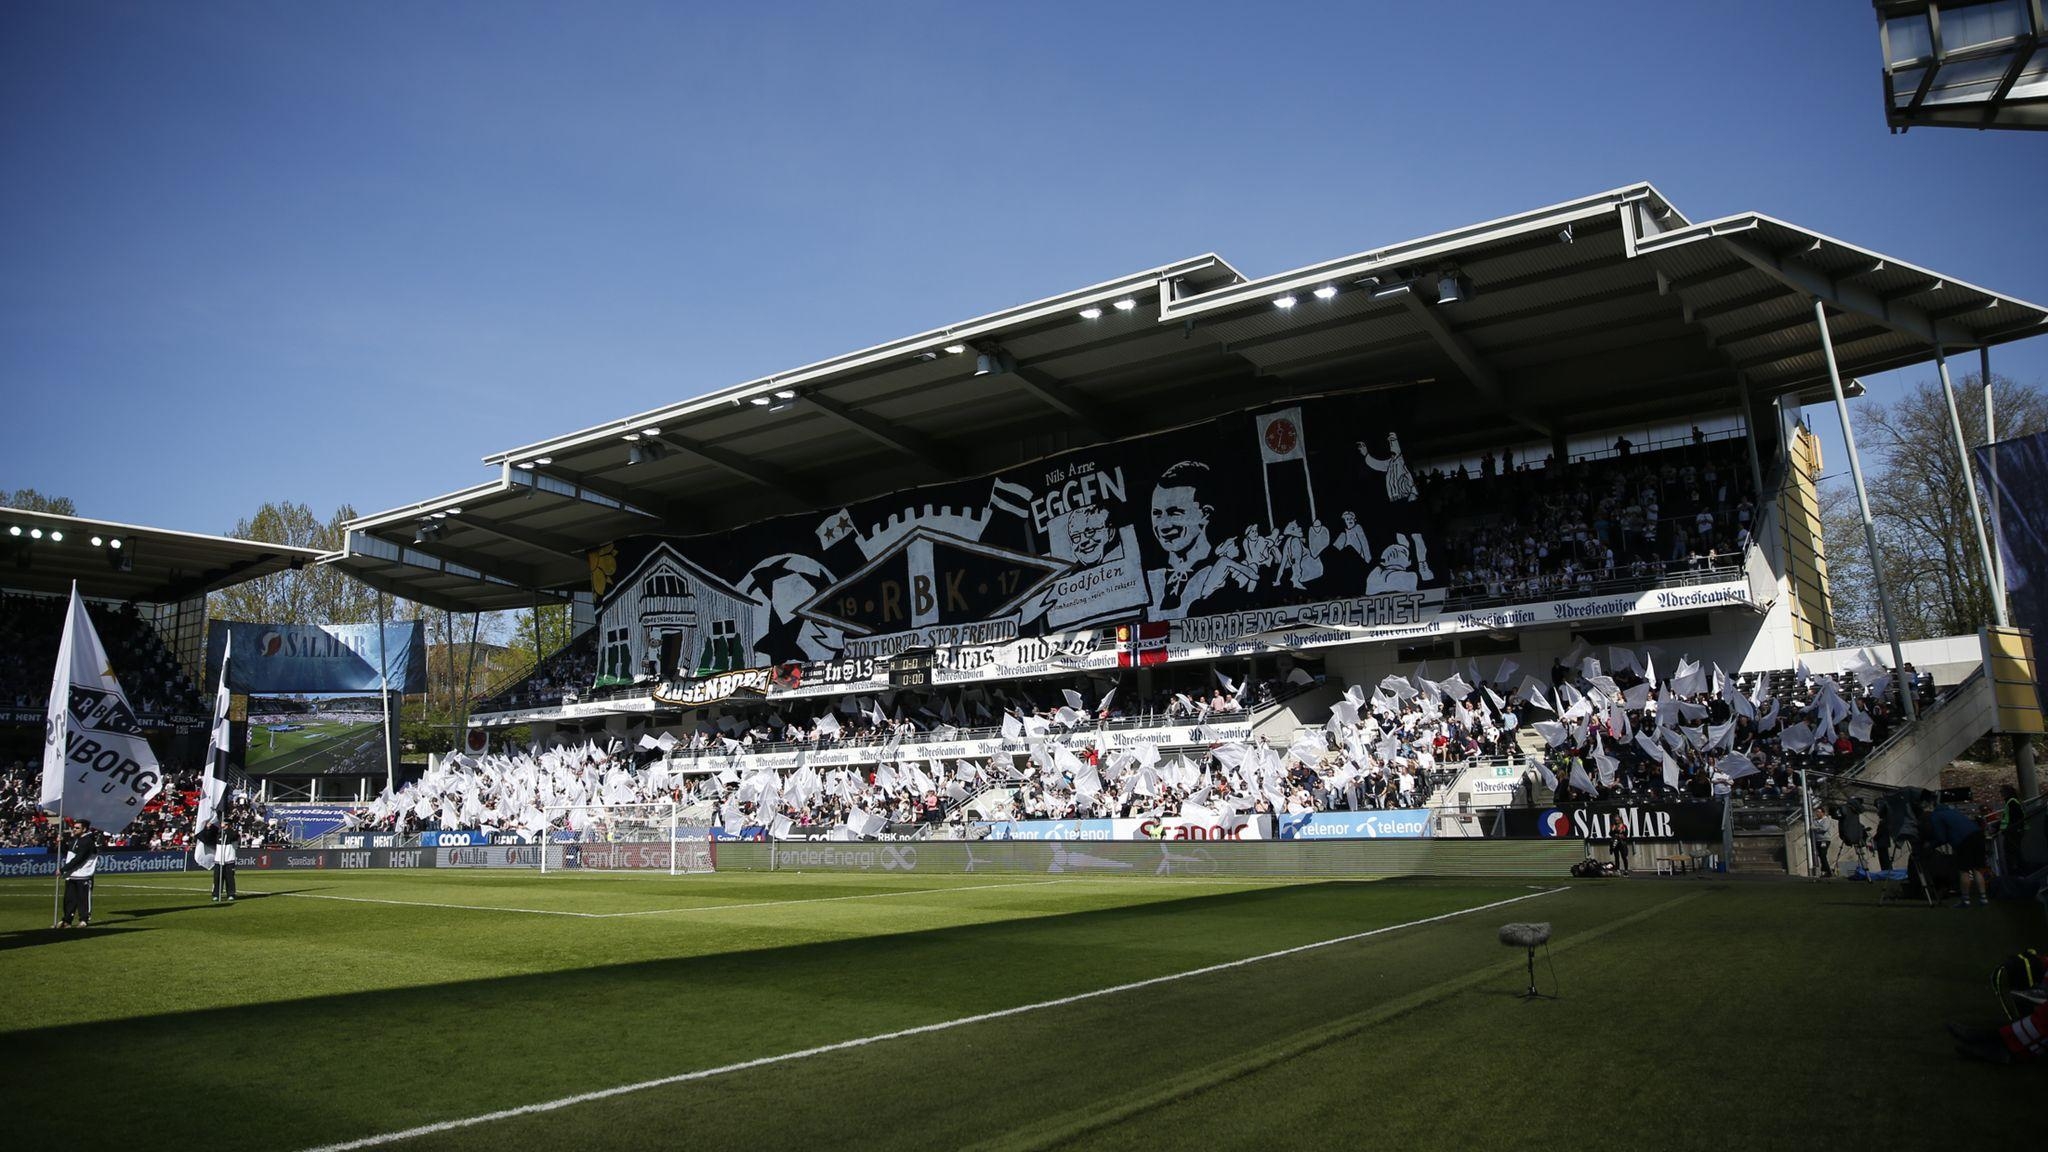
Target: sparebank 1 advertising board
<point>1193,531</point>
<point>313,658</point>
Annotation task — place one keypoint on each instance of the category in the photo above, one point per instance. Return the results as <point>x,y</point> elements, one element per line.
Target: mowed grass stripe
<point>678,910</point>
<point>602,1002</point>
<point>899,1034</point>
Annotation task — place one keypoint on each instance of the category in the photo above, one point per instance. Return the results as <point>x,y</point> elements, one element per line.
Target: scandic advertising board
<point>1236,827</point>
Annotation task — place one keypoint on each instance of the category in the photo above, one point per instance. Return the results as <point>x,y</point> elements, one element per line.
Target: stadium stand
<point>1608,521</point>
<point>165,823</point>
<point>1579,733</point>
<point>31,626</point>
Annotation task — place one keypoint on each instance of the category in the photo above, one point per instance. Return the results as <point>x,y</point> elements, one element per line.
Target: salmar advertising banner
<point>278,659</point>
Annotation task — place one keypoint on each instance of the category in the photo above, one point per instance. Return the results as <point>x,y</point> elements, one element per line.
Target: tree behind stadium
<point>314,594</point>
<point>1921,511</point>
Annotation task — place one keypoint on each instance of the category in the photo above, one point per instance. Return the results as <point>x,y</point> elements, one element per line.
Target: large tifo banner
<point>296,658</point>
<point>1207,534</point>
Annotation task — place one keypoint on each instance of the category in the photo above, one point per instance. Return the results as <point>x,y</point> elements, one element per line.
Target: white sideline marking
<point>863,1041</point>
<point>827,899</point>
<point>598,915</point>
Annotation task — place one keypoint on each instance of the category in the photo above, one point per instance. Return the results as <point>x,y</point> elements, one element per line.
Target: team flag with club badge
<point>97,768</point>
<point>213,784</point>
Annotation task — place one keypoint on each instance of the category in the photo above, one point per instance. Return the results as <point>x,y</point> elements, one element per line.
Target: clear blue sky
<point>339,252</point>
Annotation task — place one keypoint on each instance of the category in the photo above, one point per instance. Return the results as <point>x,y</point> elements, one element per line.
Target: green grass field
<point>315,748</point>
<point>325,1008</point>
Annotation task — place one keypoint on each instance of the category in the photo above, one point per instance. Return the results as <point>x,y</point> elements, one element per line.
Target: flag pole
<point>57,873</point>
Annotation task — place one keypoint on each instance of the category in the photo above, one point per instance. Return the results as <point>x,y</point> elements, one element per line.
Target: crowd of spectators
<point>1505,528</point>
<point>164,823</point>
<point>569,671</point>
<point>1512,530</point>
<point>32,626</point>
<point>1582,732</point>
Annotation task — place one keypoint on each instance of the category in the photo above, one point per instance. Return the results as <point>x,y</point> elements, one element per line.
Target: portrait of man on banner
<point>1196,572</point>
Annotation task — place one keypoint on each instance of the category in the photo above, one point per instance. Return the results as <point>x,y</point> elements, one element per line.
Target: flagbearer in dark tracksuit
<point>224,869</point>
<point>78,868</point>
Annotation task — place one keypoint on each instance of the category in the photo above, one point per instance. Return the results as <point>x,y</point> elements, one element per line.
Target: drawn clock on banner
<point>1281,436</point>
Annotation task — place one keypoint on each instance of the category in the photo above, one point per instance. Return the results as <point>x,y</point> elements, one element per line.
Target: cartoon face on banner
<point>1229,517</point>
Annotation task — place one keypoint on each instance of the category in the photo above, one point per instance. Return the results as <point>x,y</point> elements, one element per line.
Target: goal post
<point>622,838</point>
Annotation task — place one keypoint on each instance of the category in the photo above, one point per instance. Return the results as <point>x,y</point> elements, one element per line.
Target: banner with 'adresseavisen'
<point>1220,520</point>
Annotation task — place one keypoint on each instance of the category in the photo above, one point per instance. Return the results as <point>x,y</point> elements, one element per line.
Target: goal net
<point>623,838</point>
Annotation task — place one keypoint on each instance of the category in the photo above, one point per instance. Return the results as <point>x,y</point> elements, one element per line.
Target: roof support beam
<point>1092,416</point>
<point>1468,360</point>
<point>617,497</point>
<point>1775,327</point>
<point>525,537</point>
<point>510,570</point>
<point>1899,317</point>
<point>738,465</point>
<point>908,441</point>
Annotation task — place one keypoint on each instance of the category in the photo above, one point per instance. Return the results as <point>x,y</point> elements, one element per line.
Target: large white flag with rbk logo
<point>97,768</point>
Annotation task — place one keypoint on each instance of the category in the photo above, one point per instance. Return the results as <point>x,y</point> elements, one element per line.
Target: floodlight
<point>1286,301</point>
<point>35,533</point>
<point>1452,288</point>
<point>1091,313</point>
<point>1326,291</point>
<point>785,394</point>
<point>97,541</point>
<point>956,349</point>
<point>759,401</point>
<point>56,535</point>
<point>14,531</point>
<point>1125,304</point>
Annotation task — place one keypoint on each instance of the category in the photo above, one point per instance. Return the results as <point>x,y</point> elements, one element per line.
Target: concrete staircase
<point>1916,754</point>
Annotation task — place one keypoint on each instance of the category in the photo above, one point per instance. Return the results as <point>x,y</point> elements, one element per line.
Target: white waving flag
<point>97,768</point>
<point>213,784</point>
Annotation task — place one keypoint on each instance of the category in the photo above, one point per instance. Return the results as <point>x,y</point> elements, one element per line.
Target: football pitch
<point>749,1010</point>
<point>318,746</point>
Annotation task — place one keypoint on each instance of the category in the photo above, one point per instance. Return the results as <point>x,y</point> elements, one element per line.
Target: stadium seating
<point>31,626</point>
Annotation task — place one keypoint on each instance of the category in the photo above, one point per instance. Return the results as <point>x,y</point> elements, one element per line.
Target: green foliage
<point>1921,510</point>
<point>30,500</point>
<point>315,594</point>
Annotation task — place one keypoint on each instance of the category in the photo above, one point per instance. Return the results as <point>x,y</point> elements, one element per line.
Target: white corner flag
<point>213,783</point>
<point>97,768</point>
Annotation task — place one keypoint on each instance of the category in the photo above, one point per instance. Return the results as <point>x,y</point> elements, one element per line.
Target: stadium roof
<point>151,565</point>
<point>1595,313</point>
<point>1967,64</point>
